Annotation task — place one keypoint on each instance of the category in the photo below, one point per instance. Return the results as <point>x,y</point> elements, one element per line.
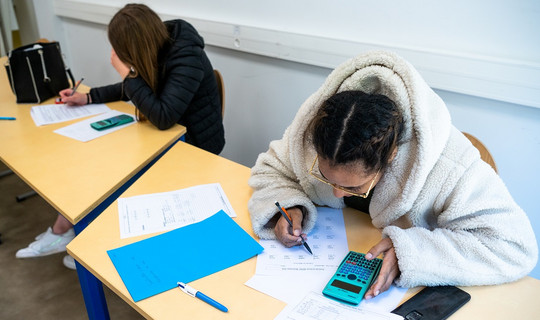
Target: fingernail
<point>299,240</point>
<point>368,297</point>
<point>377,293</point>
<point>369,255</point>
<point>296,232</point>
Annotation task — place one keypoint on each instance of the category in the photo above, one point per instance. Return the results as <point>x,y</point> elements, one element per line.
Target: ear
<point>394,152</point>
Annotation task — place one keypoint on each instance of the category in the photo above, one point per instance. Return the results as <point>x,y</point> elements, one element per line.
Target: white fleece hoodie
<point>449,215</point>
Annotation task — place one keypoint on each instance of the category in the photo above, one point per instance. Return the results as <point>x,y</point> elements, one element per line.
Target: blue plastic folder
<point>156,264</point>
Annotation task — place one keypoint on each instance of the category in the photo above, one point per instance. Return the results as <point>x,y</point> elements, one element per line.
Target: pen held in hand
<point>76,87</point>
<point>286,216</point>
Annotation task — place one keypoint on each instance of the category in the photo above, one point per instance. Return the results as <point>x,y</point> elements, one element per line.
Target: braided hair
<point>353,125</point>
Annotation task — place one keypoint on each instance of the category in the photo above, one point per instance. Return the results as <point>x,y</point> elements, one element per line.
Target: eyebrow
<point>351,188</point>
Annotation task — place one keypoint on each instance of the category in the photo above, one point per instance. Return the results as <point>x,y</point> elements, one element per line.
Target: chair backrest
<point>221,89</point>
<point>484,152</point>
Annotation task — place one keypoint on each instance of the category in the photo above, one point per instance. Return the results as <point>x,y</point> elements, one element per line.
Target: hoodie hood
<point>427,129</point>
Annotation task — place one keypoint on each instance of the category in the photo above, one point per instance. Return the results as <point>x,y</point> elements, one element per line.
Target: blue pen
<point>197,294</point>
<point>7,118</point>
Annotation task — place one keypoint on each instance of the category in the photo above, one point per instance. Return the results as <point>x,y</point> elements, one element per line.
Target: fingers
<point>285,233</point>
<point>296,218</point>
<point>65,93</point>
<point>381,247</point>
<point>77,99</point>
<point>389,269</point>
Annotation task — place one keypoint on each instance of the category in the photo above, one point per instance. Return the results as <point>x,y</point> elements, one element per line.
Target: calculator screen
<point>346,286</point>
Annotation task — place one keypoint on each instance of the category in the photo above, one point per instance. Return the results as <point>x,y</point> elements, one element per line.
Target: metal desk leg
<point>94,297</point>
<point>92,288</point>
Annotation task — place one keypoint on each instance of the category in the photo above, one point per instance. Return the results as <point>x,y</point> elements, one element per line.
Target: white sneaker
<point>41,235</point>
<point>48,243</point>
<point>69,262</point>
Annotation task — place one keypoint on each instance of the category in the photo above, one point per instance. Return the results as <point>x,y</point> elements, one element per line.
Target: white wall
<point>264,93</point>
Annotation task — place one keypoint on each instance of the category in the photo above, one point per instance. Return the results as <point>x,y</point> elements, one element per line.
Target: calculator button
<point>351,277</point>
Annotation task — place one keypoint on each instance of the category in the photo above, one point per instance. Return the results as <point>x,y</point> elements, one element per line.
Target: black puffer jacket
<point>187,92</point>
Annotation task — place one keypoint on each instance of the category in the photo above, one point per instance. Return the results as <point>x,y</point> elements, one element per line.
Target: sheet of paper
<point>156,264</point>
<point>279,269</point>
<point>82,130</point>
<point>279,288</point>
<point>315,306</point>
<point>169,210</point>
<point>54,113</point>
<point>327,240</point>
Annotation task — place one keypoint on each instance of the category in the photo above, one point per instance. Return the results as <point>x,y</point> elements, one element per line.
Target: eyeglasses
<point>351,191</point>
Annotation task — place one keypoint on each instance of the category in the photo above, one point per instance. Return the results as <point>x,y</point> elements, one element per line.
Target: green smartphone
<point>353,278</point>
<point>111,122</point>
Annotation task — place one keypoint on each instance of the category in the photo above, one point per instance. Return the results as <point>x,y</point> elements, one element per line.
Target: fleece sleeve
<point>481,237</point>
<point>273,179</point>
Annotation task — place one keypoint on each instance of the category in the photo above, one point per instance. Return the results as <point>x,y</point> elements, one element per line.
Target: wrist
<point>303,209</point>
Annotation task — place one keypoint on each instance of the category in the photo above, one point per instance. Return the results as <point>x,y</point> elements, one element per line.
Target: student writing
<point>375,137</point>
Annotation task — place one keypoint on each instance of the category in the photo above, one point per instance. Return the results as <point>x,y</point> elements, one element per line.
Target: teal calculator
<point>353,278</point>
<point>112,122</point>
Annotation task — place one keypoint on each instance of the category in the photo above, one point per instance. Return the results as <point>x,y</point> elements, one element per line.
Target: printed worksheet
<point>83,132</point>
<point>170,210</point>
<point>54,113</point>
<point>327,240</point>
<point>315,306</point>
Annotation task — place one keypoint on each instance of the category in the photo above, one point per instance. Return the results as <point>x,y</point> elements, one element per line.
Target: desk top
<point>73,176</point>
<point>185,166</point>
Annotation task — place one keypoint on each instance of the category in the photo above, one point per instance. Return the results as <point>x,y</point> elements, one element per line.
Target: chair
<point>484,152</point>
<point>221,89</point>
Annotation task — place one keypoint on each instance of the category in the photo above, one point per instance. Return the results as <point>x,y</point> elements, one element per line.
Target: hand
<point>389,269</point>
<point>77,99</point>
<point>121,68</point>
<point>290,236</point>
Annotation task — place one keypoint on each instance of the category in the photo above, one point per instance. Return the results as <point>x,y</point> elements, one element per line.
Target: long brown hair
<point>136,34</point>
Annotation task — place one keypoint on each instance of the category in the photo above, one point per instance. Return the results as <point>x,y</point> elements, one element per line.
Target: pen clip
<point>187,289</point>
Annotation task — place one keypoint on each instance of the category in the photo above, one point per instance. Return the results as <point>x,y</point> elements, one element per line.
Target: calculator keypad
<point>357,267</point>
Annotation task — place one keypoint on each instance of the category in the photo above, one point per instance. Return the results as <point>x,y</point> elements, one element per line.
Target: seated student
<point>375,137</point>
<point>169,79</point>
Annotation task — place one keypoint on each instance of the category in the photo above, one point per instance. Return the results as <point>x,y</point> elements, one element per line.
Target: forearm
<point>481,236</point>
<point>273,179</point>
<point>113,92</point>
<point>447,257</point>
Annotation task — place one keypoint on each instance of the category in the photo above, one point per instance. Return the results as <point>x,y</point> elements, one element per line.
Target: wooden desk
<point>73,176</point>
<point>185,166</point>
<point>78,179</point>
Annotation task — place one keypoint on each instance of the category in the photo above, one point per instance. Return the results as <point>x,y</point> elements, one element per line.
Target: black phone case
<point>433,303</point>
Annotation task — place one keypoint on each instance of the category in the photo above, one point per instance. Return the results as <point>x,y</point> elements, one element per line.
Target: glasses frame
<point>336,186</point>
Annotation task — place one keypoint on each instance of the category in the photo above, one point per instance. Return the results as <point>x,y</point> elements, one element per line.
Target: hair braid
<point>353,125</point>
